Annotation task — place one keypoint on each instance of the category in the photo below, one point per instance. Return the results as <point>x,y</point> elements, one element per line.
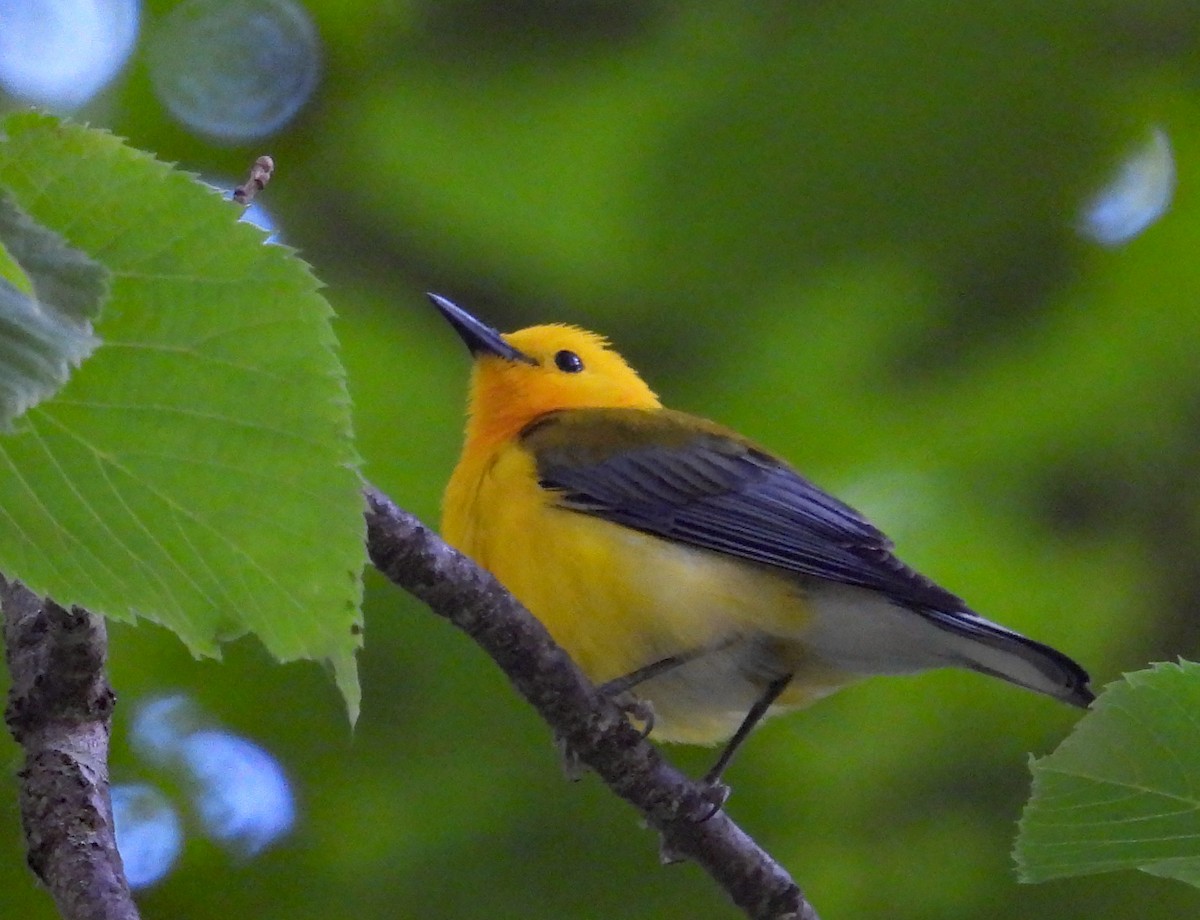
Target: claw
<point>713,797</point>
<point>639,711</point>
<point>714,794</point>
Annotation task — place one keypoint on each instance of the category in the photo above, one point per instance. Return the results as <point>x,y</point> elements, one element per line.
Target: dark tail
<point>989,648</point>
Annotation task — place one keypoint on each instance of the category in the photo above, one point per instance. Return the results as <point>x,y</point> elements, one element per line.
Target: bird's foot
<point>713,796</point>
<point>640,712</point>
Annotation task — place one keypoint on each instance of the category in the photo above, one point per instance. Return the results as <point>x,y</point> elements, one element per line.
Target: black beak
<point>481,338</point>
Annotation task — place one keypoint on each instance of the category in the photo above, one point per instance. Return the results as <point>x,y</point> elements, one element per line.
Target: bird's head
<point>522,375</point>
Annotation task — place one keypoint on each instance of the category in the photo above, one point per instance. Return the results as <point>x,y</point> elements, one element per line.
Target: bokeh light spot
<point>1138,195</point>
<point>244,798</point>
<point>161,725</point>
<point>149,834</point>
<point>237,788</point>
<point>60,53</point>
<point>235,70</point>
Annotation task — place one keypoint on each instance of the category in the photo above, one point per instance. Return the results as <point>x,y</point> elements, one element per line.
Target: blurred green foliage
<point>850,231</point>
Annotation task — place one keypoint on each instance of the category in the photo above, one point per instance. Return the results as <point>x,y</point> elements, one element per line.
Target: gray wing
<point>715,491</point>
<point>673,476</point>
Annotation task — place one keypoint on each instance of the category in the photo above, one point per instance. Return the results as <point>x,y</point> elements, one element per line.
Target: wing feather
<point>681,478</point>
<point>668,474</point>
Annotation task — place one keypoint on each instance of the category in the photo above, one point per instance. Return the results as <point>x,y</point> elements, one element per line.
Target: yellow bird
<point>675,558</point>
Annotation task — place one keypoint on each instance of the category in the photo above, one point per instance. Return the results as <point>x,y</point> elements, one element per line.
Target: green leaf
<point>197,470</point>
<point>1123,791</point>
<point>45,312</point>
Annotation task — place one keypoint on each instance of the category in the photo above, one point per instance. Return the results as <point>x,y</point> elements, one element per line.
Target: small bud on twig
<point>260,175</point>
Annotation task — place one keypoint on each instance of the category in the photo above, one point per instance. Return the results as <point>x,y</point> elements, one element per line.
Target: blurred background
<point>943,257</point>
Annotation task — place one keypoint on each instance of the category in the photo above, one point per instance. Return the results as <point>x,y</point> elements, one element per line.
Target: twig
<point>593,727</point>
<point>260,175</point>
<point>59,710</point>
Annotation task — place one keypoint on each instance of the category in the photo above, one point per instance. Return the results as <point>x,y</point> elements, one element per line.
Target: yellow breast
<point>618,600</point>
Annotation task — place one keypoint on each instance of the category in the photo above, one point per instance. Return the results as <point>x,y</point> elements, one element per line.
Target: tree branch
<point>60,710</point>
<point>593,727</point>
<point>60,707</point>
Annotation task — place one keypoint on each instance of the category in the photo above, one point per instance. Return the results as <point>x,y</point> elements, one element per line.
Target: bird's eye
<point>568,362</point>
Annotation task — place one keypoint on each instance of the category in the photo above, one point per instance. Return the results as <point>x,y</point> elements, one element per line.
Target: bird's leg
<point>618,688</point>
<point>640,710</point>
<point>718,791</point>
<point>662,666</point>
<point>619,685</point>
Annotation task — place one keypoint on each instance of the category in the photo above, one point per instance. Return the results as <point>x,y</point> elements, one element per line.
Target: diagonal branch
<point>60,706</point>
<point>59,710</point>
<point>593,727</point>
